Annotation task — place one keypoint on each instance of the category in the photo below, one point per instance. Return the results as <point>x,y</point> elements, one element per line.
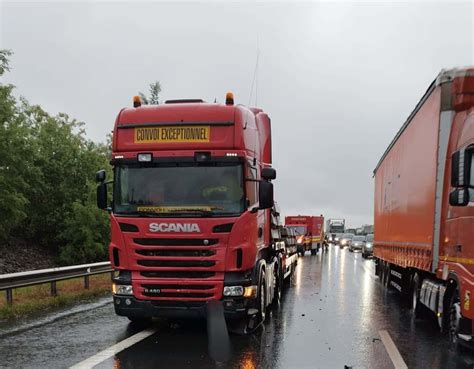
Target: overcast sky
<point>337,79</point>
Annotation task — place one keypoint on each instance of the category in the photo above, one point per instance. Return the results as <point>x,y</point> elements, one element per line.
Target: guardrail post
<point>9,294</point>
<point>86,282</point>
<point>54,289</point>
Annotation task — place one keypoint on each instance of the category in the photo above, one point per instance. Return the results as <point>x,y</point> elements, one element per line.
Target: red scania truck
<point>424,206</point>
<point>192,215</point>
<point>309,231</point>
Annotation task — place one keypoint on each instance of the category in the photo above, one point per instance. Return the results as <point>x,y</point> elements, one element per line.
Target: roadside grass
<point>32,299</point>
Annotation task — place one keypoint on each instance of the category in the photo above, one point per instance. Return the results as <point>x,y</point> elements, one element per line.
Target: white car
<point>357,243</point>
<point>368,248</point>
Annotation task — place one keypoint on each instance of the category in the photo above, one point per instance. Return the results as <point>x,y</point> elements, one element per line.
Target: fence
<point>8,282</point>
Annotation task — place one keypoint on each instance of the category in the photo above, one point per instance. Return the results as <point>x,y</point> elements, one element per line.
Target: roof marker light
<point>137,102</point>
<point>229,98</point>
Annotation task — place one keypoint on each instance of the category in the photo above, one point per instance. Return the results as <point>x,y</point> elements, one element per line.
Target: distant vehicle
<point>309,232</point>
<point>337,237</point>
<point>368,247</point>
<point>351,230</point>
<point>357,243</point>
<point>346,240</point>
<point>333,227</point>
<point>367,229</point>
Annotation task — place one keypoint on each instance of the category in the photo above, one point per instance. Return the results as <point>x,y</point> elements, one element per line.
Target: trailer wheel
<point>417,307</point>
<point>454,320</point>
<point>387,275</point>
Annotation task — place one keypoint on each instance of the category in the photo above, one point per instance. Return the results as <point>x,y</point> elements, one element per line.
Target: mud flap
<point>218,337</point>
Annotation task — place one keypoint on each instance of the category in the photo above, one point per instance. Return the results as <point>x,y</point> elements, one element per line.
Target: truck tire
<point>313,252</point>
<point>418,310</point>
<point>387,275</point>
<point>454,320</point>
<point>278,287</point>
<point>139,320</point>
<point>262,297</point>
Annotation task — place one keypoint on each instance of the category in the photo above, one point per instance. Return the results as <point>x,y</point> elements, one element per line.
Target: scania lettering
<point>193,220</point>
<point>174,227</point>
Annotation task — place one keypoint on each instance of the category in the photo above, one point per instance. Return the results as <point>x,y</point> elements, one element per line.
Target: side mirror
<point>100,176</point>
<point>462,168</point>
<point>459,197</point>
<point>265,195</point>
<point>102,196</point>
<point>268,173</point>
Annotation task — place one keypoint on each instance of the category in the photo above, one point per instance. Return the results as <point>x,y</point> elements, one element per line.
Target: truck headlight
<point>122,289</point>
<point>233,291</point>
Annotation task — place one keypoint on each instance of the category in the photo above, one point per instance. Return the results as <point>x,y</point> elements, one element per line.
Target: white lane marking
<point>392,351</point>
<point>112,350</point>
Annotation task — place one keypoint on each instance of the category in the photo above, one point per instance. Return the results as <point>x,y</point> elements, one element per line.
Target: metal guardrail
<point>8,282</point>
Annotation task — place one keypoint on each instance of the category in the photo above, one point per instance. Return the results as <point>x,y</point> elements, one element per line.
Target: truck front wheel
<point>139,320</point>
<point>454,320</point>
<point>262,298</point>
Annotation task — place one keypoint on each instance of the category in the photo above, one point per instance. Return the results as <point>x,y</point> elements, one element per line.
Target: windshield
<point>174,190</point>
<point>300,230</point>
<point>359,238</point>
<point>348,236</point>
<point>370,238</point>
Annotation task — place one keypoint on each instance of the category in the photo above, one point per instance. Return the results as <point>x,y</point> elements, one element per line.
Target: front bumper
<point>132,307</point>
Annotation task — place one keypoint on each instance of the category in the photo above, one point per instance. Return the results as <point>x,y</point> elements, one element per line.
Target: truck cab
<point>190,212</point>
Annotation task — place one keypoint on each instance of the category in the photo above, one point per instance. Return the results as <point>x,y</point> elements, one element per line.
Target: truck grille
<point>178,274</point>
<point>171,253</point>
<point>179,269</point>
<point>176,263</point>
<point>196,291</point>
<point>176,241</point>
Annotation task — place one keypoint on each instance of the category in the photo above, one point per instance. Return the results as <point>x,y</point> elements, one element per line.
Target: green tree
<point>47,187</point>
<point>153,97</point>
<point>15,157</point>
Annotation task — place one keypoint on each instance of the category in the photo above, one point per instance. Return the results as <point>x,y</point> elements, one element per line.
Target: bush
<point>47,188</point>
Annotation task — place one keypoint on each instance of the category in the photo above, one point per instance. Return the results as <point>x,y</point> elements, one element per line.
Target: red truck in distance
<point>309,231</point>
<point>192,212</point>
<point>424,206</point>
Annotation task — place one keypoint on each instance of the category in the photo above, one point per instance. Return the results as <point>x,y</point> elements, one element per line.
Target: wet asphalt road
<point>330,317</point>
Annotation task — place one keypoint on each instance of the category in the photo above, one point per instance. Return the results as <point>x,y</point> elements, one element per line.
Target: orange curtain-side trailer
<point>424,206</point>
